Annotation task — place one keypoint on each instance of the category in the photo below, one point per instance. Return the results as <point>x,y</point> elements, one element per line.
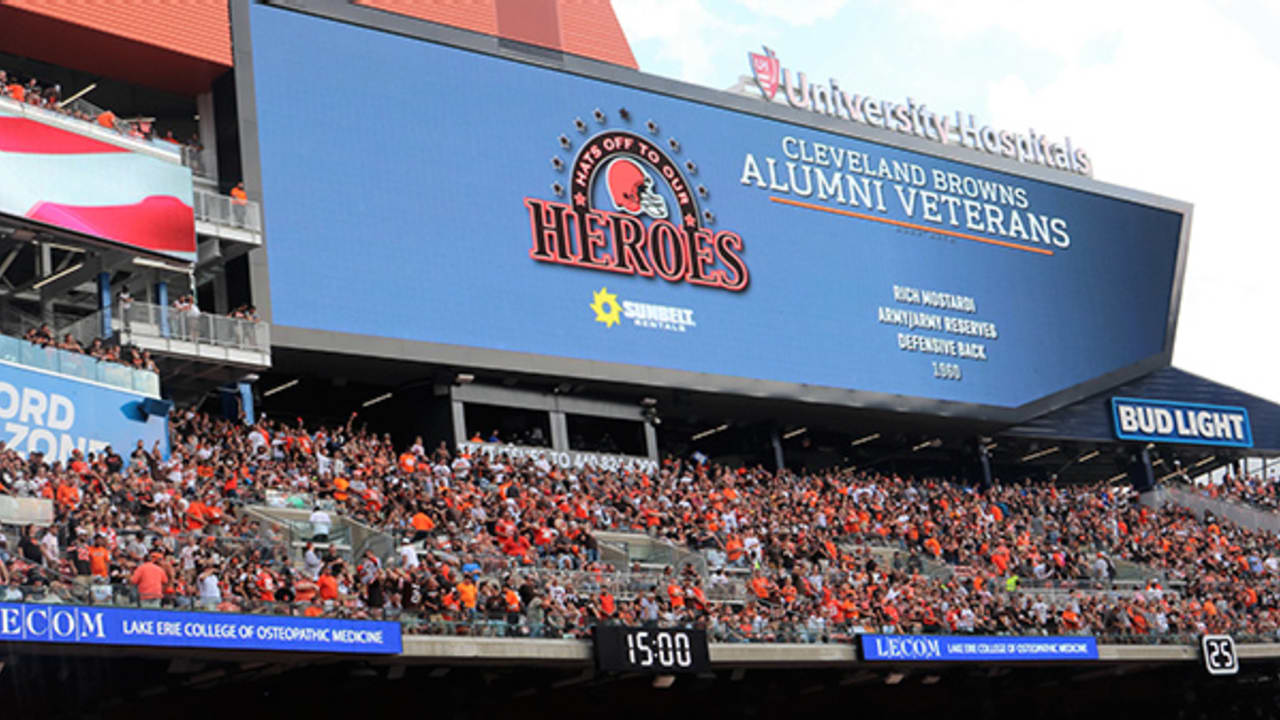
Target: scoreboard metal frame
<point>504,360</point>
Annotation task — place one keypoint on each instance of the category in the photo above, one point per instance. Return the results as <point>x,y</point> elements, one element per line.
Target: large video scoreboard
<point>641,230</point>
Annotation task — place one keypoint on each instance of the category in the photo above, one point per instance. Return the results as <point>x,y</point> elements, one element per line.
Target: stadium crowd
<point>49,97</point>
<point>44,336</point>
<point>1251,489</point>
<point>509,546</point>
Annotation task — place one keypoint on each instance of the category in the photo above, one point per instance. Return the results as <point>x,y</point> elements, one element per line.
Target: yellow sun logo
<point>605,305</point>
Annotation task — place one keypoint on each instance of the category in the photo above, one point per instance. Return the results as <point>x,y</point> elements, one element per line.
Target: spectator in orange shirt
<point>422,525</point>
<point>328,585</point>
<point>150,580</point>
<point>99,558</point>
<point>467,593</point>
<point>239,199</point>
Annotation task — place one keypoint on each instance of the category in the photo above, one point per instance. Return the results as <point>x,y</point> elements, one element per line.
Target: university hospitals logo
<point>632,208</point>
<point>767,70</point>
<point>646,315</point>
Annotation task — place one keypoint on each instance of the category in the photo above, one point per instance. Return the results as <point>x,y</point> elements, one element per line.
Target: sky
<point>1172,97</point>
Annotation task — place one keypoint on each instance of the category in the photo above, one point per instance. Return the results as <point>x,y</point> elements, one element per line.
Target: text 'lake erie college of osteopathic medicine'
<point>70,624</point>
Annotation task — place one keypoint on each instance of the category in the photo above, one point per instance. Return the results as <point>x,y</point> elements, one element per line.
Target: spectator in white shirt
<point>321,525</point>
<point>408,555</point>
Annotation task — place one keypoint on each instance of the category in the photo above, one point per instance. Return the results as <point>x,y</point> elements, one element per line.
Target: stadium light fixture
<point>1204,461</point>
<point>894,678</point>
<point>794,433</point>
<point>1040,453</point>
<point>1089,456</point>
<point>865,439</point>
<point>157,264</point>
<point>710,432</point>
<point>56,276</point>
<point>649,402</point>
<point>1116,477</point>
<point>281,387</point>
<point>936,442</point>
<point>464,379</point>
<point>374,401</point>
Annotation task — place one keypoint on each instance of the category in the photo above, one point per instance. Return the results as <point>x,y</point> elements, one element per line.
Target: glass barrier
<point>140,319</point>
<point>226,210</point>
<point>73,364</point>
<point>462,623</point>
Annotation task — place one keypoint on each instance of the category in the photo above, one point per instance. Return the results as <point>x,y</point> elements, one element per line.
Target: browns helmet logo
<point>631,189</point>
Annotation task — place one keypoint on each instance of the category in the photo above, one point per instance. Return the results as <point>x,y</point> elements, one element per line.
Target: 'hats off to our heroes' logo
<point>632,209</point>
<point>609,311</point>
<point>766,69</point>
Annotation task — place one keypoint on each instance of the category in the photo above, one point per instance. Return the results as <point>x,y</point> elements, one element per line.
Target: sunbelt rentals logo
<point>610,311</point>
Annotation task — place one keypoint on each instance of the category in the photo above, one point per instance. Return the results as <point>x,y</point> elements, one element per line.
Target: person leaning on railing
<point>239,199</point>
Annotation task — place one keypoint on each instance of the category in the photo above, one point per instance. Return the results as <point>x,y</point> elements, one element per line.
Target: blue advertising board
<point>478,202</point>
<point>952,648</point>
<point>1181,422</point>
<point>45,412</point>
<point>81,625</point>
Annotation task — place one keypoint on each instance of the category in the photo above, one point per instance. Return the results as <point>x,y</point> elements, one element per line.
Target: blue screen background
<point>394,173</point>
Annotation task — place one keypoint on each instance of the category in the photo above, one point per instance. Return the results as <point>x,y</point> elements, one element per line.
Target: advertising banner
<point>1178,422</point>
<point>509,207</point>
<point>563,459</point>
<point>45,413</point>
<point>926,648</point>
<point>80,625</point>
<point>62,175</point>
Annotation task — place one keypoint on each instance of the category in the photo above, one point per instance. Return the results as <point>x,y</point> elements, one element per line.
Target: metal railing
<point>141,320</point>
<point>461,624</point>
<point>645,549</point>
<point>79,365</point>
<point>200,160</point>
<point>225,210</point>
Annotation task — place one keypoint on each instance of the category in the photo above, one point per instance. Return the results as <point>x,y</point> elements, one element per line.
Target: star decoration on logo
<point>581,194</point>
<point>605,306</point>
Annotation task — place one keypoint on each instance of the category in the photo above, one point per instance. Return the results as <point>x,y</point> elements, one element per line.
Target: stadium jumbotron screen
<point>427,193</point>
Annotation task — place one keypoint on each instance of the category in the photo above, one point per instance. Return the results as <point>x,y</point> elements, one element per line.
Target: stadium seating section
<point>338,522</point>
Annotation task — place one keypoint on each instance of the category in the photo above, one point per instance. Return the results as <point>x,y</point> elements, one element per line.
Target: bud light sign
<point>1193,423</point>
<point>949,648</point>
<point>45,413</point>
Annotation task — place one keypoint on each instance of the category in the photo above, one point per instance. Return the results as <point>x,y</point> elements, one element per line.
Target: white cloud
<point>1175,97</point>
<point>1180,106</point>
<point>687,33</point>
<point>795,12</point>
